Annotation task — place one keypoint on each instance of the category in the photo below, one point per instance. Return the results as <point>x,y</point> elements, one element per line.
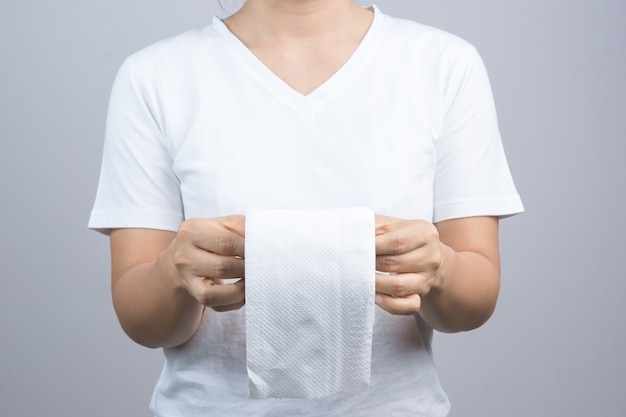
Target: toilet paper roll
<point>309,301</point>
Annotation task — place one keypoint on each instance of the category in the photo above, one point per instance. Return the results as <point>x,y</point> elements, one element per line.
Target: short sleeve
<point>137,186</point>
<point>472,176</point>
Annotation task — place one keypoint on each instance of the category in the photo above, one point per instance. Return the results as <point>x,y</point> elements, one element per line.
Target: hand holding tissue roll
<point>310,285</point>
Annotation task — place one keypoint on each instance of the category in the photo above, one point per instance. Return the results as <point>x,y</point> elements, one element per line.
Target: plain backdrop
<point>556,344</point>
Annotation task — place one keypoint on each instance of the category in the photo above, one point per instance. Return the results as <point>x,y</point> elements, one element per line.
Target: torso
<point>235,124</point>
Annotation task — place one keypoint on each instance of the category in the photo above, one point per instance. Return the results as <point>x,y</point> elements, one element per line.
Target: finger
<point>401,285</point>
<point>230,307</point>
<point>422,259</point>
<point>398,239</point>
<point>403,306</point>
<point>213,294</point>
<point>382,223</point>
<point>236,223</point>
<point>221,240</point>
<point>407,262</point>
<point>209,265</point>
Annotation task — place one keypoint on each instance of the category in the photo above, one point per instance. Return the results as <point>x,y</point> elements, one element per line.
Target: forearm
<point>153,309</point>
<point>465,294</point>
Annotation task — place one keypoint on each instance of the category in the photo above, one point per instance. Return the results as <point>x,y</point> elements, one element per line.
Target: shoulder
<point>417,39</point>
<point>166,53</point>
<point>177,62</point>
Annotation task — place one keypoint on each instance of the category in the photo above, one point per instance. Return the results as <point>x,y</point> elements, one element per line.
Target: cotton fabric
<point>199,127</point>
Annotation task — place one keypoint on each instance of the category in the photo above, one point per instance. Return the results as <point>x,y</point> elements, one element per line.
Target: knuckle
<point>180,259</point>
<point>398,287</point>
<point>206,296</point>
<point>405,306</point>
<point>183,233</point>
<point>187,226</point>
<point>434,260</point>
<point>432,233</point>
<point>412,309</point>
<point>225,244</point>
<point>399,244</point>
<point>388,263</point>
<point>221,269</point>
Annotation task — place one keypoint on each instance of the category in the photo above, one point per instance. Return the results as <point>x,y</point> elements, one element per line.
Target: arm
<point>161,281</point>
<point>448,272</point>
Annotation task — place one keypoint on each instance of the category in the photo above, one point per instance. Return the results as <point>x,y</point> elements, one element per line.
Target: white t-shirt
<point>199,127</point>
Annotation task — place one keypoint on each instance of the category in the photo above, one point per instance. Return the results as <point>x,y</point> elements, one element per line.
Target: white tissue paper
<point>309,301</point>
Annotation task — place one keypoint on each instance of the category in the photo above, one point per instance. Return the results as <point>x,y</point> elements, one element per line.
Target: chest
<point>261,153</point>
<point>246,139</point>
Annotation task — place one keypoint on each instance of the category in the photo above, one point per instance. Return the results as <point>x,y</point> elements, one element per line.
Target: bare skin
<point>449,273</point>
<point>303,42</point>
<point>163,281</point>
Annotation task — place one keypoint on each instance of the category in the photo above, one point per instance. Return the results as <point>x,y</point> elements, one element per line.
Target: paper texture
<point>309,301</point>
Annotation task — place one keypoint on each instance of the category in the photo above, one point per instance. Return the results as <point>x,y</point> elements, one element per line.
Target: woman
<point>294,104</point>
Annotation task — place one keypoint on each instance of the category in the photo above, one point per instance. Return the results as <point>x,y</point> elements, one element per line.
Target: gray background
<point>556,344</point>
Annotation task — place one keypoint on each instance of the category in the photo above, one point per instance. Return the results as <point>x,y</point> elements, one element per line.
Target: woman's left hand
<point>409,255</point>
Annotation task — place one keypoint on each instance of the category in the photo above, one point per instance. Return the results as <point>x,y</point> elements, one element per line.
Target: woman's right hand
<point>207,251</point>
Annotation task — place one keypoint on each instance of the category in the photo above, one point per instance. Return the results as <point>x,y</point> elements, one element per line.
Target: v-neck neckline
<point>332,86</point>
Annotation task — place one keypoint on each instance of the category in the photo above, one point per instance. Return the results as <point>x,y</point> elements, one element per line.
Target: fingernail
<point>379,299</point>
